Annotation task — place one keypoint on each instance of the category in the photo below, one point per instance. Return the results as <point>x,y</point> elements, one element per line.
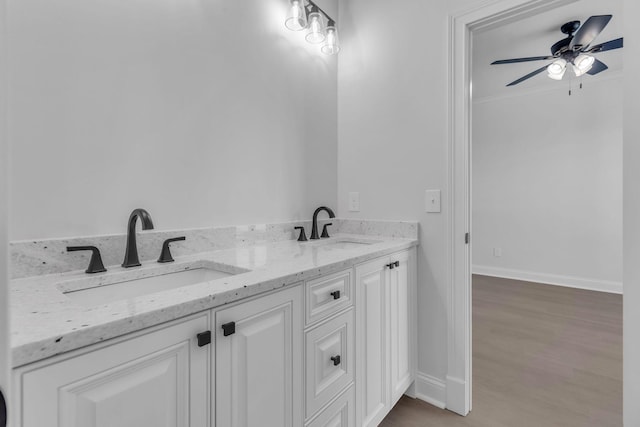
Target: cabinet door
<point>371,334</point>
<point>259,362</point>
<point>401,314</point>
<point>160,379</point>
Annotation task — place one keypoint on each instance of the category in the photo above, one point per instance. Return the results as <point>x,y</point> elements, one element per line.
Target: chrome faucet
<point>131,254</point>
<point>314,229</point>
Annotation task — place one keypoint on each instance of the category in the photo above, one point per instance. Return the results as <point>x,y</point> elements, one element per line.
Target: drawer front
<point>341,413</point>
<point>330,357</point>
<point>328,295</point>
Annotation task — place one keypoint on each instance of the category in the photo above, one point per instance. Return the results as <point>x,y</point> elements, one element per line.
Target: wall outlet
<point>497,252</point>
<point>354,202</point>
<point>432,201</point>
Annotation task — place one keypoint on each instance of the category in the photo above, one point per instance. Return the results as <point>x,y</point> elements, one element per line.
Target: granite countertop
<point>46,322</point>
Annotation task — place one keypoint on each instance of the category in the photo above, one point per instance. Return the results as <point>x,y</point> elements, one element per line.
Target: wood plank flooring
<point>543,356</point>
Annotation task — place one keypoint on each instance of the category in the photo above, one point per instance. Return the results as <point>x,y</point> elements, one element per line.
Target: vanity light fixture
<point>297,17</point>
<point>332,45</point>
<point>316,30</point>
<point>306,15</point>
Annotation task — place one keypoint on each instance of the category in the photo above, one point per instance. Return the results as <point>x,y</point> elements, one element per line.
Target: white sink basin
<point>344,244</point>
<point>97,294</point>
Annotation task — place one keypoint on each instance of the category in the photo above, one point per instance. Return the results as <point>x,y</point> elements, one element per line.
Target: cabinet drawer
<point>340,413</point>
<point>330,351</point>
<point>328,295</point>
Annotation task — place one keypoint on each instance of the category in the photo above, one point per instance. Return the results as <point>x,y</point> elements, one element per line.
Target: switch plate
<point>354,202</point>
<point>432,201</point>
<point>497,252</point>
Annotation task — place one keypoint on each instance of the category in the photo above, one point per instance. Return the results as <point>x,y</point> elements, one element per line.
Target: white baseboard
<point>431,390</point>
<point>550,279</point>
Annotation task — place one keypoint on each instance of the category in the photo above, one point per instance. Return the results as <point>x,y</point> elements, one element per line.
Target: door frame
<point>5,348</point>
<point>462,25</point>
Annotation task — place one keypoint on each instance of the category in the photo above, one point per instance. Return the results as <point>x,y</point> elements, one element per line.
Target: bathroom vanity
<point>273,334</point>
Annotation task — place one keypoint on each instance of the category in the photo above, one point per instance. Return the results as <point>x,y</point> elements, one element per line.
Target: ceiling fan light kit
<point>582,64</point>
<point>556,69</point>
<point>575,49</point>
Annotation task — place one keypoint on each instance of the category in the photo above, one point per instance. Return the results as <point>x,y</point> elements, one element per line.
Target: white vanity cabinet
<point>335,351</point>
<point>385,328</point>
<point>258,361</point>
<point>156,379</point>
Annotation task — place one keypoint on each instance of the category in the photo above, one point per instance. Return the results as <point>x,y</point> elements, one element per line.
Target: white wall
<point>547,185</point>
<point>205,113</point>
<point>392,132</point>
<point>631,219</point>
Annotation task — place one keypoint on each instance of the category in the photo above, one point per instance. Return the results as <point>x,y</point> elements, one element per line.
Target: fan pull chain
<point>570,86</point>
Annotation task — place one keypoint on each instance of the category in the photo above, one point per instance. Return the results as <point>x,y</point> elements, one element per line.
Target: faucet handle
<point>325,233</point>
<point>95,264</point>
<point>165,255</point>
<point>303,235</point>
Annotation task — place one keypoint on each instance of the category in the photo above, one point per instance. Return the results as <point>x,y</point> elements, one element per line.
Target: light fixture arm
<point>312,7</point>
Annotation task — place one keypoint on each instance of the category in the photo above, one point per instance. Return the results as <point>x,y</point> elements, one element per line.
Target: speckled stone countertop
<point>46,322</point>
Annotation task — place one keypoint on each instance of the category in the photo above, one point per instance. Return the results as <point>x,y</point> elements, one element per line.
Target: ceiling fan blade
<point>516,60</point>
<point>528,76</point>
<point>597,67</point>
<point>610,45</point>
<point>590,30</point>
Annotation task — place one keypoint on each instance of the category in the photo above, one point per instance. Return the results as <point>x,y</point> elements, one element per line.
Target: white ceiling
<point>533,36</point>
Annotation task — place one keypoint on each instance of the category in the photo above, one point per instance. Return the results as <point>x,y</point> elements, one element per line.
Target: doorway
<point>462,28</point>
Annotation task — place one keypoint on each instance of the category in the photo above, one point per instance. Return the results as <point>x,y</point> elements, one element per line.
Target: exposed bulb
<point>332,45</point>
<point>316,33</point>
<point>297,17</point>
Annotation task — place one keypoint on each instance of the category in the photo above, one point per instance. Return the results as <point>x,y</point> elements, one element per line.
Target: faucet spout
<point>131,253</point>
<point>314,229</point>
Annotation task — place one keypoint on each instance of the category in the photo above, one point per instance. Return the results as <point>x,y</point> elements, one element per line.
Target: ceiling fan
<point>574,50</point>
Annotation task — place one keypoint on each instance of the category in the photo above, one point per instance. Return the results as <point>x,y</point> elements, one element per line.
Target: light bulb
<point>297,17</point>
<point>582,64</point>
<point>332,45</point>
<point>556,69</point>
<point>316,33</point>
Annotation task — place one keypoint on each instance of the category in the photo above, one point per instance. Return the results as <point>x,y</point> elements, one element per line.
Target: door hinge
<point>467,238</point>
<point>3,410</point>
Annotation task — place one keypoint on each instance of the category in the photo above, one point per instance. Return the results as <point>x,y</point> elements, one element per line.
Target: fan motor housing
<point>570,28</point>
<point>561,47</point>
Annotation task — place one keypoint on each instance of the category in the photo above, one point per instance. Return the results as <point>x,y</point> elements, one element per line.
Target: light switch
<point>432,201</point>
<point>354,202</point>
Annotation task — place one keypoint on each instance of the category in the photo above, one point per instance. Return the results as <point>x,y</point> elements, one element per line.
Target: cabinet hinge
<point>467,238</point>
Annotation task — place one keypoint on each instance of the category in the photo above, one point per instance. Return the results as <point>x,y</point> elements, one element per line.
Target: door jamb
<point>461,26</point>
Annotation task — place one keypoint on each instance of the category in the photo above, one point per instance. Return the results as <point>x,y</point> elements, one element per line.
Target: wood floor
<point>543,356</point>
